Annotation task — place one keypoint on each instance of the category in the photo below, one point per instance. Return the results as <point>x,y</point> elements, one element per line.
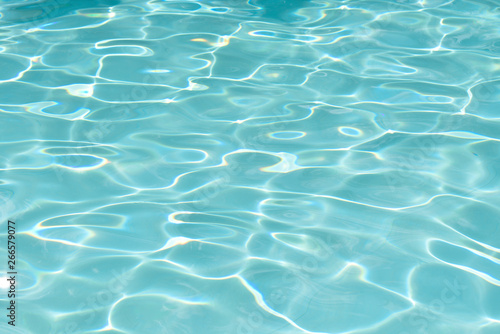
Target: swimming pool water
<point>251,167</point>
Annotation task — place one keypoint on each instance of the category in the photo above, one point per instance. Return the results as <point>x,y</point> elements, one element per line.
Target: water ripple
<point>252,166</point>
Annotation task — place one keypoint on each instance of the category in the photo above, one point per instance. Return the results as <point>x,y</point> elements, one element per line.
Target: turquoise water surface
<point>251,167</point>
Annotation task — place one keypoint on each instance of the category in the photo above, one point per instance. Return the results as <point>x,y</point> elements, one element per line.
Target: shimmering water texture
<point>253,167</point>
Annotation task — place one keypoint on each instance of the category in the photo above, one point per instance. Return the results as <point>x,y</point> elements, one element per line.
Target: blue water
<point>251,167</point>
